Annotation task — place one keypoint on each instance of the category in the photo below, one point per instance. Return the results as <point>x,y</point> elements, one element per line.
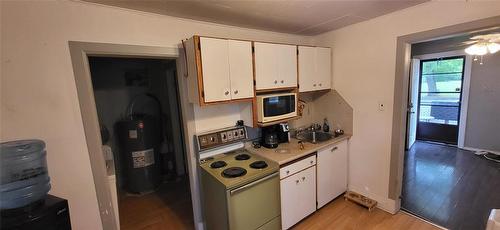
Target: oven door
<point>279,107</point>
<point>256,204</point>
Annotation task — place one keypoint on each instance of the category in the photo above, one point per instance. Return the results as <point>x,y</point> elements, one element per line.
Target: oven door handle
<point>244,187</point>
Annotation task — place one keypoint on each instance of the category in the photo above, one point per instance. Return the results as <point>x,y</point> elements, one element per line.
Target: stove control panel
<point>221,137</point>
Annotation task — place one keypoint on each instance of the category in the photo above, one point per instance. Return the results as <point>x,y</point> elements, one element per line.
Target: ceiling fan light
<point>493,47</point>
<point>477,49</point>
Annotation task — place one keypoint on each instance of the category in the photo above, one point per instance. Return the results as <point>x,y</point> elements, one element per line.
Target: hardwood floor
<point>167,208</point>
<point>450,187</point>
<point>170,208</point>
<point>341,214</point>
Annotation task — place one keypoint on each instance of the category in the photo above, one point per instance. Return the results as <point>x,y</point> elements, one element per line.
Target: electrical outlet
<point>381,106</point>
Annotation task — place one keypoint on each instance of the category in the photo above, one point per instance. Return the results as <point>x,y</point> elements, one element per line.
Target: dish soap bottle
<point>326,127</point>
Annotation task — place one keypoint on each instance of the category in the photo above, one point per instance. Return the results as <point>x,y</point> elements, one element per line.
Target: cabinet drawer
<point>297,166</point>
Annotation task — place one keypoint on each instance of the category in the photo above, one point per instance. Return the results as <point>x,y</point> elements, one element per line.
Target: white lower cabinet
<point>331,172</point>
<point>298,196</point>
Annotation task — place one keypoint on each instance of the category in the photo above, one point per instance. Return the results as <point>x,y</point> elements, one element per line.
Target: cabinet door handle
<point>226,93</point>
<point>282,81</point>
<point>287,172</point>
<point>297,182</point>
<point>319,84</point>
<point>303,178</point>
<point>236,92</point>
<point>275,81</point>
<point>312,162</point>
<point>314,85</point>
<point>334,148</point>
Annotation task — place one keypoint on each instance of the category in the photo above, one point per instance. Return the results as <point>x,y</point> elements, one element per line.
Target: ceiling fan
<point>483,44</point>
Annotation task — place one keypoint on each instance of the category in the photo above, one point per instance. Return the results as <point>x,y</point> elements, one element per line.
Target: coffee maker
<point>283,133</point>
<point>270,136</point>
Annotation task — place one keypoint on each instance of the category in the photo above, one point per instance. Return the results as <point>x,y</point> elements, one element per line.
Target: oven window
<point>279,105</point>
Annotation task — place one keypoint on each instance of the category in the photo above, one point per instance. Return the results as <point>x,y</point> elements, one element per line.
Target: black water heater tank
<point>140,137</point>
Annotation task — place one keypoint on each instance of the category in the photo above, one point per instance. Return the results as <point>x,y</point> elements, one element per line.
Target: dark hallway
<point>450,187</point>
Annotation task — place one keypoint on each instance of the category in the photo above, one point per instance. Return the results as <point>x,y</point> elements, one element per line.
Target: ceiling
<point>451,42</point>
<point>303,17</point>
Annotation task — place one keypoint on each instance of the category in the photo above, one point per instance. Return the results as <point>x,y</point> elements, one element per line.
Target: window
<point>441,90</point>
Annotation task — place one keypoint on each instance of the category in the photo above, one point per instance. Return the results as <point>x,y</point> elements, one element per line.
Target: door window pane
<point>439,114</point>
<point>445,82</point>
<point>454,65</point>
<point>444,99</point>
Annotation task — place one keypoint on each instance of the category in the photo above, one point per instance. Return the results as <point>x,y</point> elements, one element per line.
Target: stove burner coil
<point>234,172</point>
<point>258,165</point>
<point>242,157</point>
<point>218,164</point>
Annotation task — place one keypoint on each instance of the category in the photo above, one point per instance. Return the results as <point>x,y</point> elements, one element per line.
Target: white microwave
<point>274,107</point>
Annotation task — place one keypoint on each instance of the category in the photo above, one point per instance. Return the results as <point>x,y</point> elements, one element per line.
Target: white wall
<point>38,93</point>
<point>364,57</point>
<point>483,112</point>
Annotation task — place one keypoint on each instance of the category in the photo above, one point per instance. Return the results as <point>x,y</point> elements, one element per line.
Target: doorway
<point>138,109</point>
<point>438,91</point>
<point>439,99</point>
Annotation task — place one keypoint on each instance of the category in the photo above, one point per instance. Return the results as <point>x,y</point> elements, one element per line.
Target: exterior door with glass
<point>440,97</point>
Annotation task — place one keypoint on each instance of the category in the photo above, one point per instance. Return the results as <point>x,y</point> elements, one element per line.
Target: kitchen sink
<point>314,137</point>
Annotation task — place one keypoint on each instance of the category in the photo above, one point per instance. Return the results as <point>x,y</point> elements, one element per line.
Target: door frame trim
<point>79,52</point>
<point>464,102</point>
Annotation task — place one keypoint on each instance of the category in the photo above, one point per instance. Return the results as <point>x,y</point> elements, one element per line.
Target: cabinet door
<point>323,67</point>
<point>298,197</point>
<point>266,70</point>
<point>240,69</point>
<point>287,66</point>
<point>332,172</point>
<point>307,68</point>
<point>215,69</point>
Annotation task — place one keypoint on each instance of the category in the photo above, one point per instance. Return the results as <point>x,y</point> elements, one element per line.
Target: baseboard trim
<point>422,219</point>
<point>477,150</point>
<point>385,204</point>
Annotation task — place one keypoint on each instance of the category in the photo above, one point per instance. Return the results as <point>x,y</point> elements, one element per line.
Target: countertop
<point>287,152</point>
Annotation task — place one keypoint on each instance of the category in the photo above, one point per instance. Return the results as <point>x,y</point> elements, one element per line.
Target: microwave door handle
<point>245,187</point>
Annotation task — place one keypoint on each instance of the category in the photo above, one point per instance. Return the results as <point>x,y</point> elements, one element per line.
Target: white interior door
<point>215,68</point>
<point>241,69</point>
<point>413,103</point>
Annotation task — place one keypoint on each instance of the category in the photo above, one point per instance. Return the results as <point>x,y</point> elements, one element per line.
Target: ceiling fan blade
<point>469,42</point>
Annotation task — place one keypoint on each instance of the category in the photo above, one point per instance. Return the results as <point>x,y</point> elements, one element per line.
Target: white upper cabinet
<point>287,66</point>
<point>215,69</point>
<point>307,68</point>
<point>240,69</point>
<point>275,65</point>
<point>314,68</point>
<point>324,67</point>
<point>226,67</point>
